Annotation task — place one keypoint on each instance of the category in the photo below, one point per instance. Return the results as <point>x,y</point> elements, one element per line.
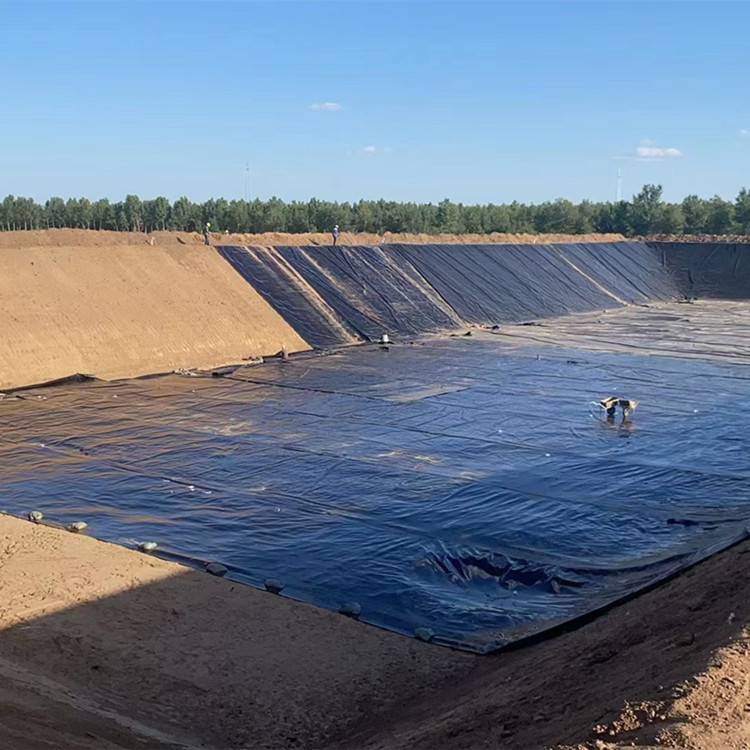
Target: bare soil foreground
<point>101,238</point>
<point>102,647</point>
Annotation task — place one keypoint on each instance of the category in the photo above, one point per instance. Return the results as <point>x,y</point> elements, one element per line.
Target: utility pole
<point>618,190</point>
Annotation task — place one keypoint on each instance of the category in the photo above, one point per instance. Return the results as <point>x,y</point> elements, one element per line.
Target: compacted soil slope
<point>125,311</point>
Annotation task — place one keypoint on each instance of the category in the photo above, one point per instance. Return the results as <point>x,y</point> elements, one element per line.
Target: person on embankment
<point>206,230</point>
<point>335,234</point>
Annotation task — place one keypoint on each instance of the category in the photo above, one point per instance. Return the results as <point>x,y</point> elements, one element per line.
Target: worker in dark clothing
<point>206,230</point>
<point>335,234</point>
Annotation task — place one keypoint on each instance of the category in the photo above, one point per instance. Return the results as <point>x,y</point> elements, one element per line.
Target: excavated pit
<point>465,486</point>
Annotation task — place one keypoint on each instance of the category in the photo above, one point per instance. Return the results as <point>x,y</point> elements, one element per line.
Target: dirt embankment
<point>130,310</point>
<point>101,238</point>
<point>103,647</point>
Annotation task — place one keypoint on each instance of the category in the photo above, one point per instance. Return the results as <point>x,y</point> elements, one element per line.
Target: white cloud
<point>745,133</point>
<point>648,151</point>
<point>372,150</point>
<point>326,107</point>
<point>652,153</point>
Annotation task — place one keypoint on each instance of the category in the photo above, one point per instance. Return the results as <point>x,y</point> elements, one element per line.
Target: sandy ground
<point>114,312</point>
<point>93,238</point>
<point>108,645</point>
<point>103,647</point>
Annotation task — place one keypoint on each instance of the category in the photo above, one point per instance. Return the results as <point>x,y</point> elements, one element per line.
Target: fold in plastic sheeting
<point>458,484</point>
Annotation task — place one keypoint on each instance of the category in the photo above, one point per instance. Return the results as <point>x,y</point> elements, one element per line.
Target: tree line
<point>646,213</point>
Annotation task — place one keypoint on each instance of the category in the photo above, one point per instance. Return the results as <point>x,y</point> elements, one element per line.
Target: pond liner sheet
<point>708,270</point>
<point>406,290</point>
<point>456,484</point>
<point>488,284</point>
<point>372,290</point>
<point>265,272</point>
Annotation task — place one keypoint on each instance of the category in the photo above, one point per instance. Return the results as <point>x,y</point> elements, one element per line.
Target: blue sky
<point>478,102</point>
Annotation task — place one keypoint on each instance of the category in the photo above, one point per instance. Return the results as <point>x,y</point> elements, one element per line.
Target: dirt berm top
<point>97,238</point>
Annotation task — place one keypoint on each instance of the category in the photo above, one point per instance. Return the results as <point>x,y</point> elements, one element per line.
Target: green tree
<point>560,217</point>
<point>133,210</point>
<point>102,215</point>
<point>742,211</point>
<point>185,216</point>
<point>156,214</point>
<point>71,214</point>
<point>497,219</point>
<point>297,219</point>
<point>669,220</point>
<point>324,215</point>
<point>78,213</point>
<point>6,213</point>
<point>237,216</point>
<point>363,217</point>
<point>521,218</point>
<point>121,218</point>
<point>471,219</point>
<point>720,216</point>
<point>85,213</point>
<point>255,215</point>
<point>613,218</point>
<point>645,209</point>
<point>55,213</point>
<point>646,213</point>
<point>274,216</point>
<point>584,218</point>
<point>447,217</point>
<point>24,213</point>
<point>393,217</point>
<point>695,213</point>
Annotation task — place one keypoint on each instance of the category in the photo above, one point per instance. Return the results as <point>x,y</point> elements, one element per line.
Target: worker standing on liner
<point>335,234</point>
